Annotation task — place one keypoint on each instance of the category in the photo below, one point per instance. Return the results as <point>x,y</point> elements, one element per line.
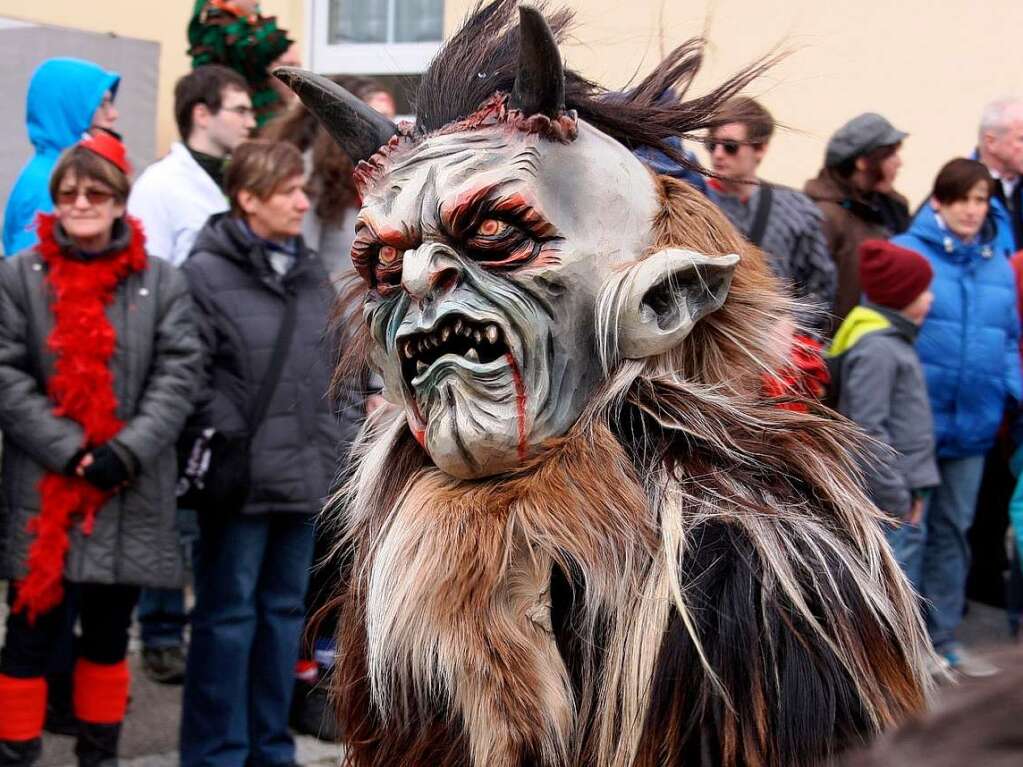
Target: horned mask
<point>488,244</point>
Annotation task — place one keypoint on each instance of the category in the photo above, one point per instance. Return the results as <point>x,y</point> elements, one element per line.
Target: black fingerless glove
<point>107,469</point>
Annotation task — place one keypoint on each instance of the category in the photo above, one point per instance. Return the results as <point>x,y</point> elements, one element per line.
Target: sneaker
<point>164,665</point>
<point>968,664</point>
<point>939,669</point>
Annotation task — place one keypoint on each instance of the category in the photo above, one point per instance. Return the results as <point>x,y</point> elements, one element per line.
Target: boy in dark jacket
<point>881,387</point>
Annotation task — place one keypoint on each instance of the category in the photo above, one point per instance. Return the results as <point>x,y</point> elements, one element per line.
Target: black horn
<point>540,81</point>
<point>357,128</point>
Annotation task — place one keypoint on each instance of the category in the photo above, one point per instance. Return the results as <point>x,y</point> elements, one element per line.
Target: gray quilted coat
<point>156,367</point>
<point>296,452</point>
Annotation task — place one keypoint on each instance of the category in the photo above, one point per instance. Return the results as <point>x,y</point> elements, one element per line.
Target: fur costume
<point>82,388</point>
<point>584,535</point>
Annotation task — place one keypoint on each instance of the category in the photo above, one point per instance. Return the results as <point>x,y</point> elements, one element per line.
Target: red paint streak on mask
<point>520,403</point>
<point>416,424</point>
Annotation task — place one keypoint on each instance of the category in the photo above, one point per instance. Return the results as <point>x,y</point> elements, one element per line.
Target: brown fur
<point>447,655</point>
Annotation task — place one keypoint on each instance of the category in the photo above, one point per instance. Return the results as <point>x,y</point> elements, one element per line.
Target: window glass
<point>385,21</point>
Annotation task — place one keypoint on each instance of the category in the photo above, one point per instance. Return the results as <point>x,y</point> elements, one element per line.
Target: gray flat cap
<point>861,134</point>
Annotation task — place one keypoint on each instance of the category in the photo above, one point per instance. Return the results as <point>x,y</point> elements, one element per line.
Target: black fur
<point>483,57</point>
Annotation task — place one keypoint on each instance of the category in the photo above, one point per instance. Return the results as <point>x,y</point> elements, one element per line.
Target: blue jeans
<point>251,574</point>
<point>907,542</point>
<point>946,556</point>
<point>161,612</point>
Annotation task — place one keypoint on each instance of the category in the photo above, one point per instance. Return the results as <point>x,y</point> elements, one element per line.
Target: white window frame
<point>361,58</point>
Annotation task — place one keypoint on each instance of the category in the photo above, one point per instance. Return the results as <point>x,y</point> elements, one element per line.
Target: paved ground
<point>151,729</point>
<point>150,735</point>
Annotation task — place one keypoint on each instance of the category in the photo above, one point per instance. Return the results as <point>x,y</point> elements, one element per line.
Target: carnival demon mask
<point>486,244</point>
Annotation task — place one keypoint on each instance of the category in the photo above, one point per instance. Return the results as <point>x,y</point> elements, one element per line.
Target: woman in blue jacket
<point>66,97</point>
<point>969,347</point>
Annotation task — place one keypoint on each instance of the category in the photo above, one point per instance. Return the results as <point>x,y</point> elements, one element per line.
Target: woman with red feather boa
<point>99,360</point>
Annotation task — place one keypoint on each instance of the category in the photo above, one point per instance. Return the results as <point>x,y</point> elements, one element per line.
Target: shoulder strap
<point>282,343</point>
<point>756,232</point>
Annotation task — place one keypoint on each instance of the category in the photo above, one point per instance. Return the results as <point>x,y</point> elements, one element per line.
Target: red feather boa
<point>82,389</point>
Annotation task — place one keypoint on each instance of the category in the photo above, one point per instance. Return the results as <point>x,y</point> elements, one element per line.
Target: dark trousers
<point>251,574</point>
<point>161,613</point>
<point>105,614</point>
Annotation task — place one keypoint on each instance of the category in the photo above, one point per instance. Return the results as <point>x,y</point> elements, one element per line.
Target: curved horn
<point>540,82</point>
<point>358,128</point>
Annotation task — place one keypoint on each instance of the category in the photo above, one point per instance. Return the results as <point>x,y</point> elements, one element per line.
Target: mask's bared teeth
<point>407,349</point>
<point>420,366</point>
<point>472,355</point>
<point>492,334</point>
<point>478,336</point>
<point>458,326</point>
<point>444,334</point>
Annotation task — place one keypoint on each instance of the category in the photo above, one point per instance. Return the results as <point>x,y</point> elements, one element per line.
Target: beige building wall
<point>162,21</point>
<point>928,65</point>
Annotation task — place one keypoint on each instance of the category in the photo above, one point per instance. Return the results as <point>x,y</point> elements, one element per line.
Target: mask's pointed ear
<point>655,303</point>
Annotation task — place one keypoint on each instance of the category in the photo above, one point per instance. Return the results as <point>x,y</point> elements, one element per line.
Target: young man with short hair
<point>784,223</point>
<point>175,195</point>
<point>173,198</point>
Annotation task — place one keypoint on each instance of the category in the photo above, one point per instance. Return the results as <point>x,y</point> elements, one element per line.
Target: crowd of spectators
<point>184,322</point>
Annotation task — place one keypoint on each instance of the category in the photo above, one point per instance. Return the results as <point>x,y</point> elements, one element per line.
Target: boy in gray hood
<point>881,387</point>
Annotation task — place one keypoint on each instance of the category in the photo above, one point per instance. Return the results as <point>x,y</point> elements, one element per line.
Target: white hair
<point>997,115</point>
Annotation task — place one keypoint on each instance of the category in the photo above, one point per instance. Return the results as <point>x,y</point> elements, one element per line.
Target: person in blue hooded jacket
<point>66,98</point>
<point>969,347</point>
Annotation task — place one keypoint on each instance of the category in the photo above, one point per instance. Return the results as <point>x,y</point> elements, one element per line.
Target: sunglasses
<point>94,196</point>
<point>731,147</point>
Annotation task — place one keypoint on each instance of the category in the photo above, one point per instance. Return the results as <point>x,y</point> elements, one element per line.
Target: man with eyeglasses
<point>175,195</point>
<point>783,222</point>
<point>173,198</point>
<point>66,99</point>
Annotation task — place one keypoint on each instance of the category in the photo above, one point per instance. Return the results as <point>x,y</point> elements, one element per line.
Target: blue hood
<point>929,228</point>
<point>63,95</point>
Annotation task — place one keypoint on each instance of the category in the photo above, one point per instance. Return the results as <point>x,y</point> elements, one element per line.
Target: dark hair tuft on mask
<point>483,56</point>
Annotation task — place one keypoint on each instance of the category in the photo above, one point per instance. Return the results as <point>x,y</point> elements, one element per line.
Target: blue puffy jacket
<point>969,343</point>
<point>63,95</point>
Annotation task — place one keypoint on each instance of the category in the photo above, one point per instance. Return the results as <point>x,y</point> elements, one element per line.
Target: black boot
<point>20,753</point>
<point>60,714</point>
<point>97,744</point>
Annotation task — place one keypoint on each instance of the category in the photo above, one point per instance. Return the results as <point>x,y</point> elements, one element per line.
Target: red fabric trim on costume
<point>22,707</point>
<point>101,691</point>
<point>82,389</point>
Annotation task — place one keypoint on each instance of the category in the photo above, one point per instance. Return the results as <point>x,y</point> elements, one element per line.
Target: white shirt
<point>173,198</point>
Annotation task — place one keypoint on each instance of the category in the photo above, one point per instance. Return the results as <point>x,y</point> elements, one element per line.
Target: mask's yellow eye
<point>387,255</point>
<point>491,227</point>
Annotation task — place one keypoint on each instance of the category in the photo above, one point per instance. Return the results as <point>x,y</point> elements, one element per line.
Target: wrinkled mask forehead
<point>597,195</point>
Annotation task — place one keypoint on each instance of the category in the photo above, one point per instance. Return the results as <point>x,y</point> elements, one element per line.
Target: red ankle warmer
<point>23,703</point>
<point>101,691</point>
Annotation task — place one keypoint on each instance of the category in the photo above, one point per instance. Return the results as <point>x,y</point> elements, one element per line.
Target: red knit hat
<point>891,276</point>
<point>107,145</point>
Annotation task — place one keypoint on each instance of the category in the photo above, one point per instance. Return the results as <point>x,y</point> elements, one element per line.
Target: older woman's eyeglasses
<point>94,196</point>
